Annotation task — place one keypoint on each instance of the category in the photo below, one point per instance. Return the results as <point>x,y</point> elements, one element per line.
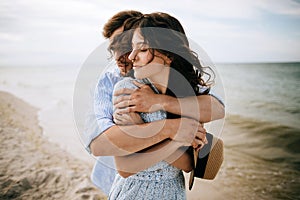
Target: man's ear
<point>169,59</point>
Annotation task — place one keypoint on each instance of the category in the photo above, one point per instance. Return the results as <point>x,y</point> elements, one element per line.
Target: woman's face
<point>145,62</point>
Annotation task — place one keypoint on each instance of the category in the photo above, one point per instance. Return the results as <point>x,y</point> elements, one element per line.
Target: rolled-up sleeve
<point>217,97</point>
<point>100,119</point>
<point>211,92</point>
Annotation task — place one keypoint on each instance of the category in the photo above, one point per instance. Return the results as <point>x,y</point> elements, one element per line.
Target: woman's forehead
<point>137,38</point>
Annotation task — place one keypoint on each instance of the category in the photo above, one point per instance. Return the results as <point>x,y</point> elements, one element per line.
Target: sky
<point>65,32</point>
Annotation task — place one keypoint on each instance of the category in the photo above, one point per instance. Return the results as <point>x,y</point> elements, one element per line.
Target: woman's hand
<point>142,99</point>
<point>189,132</point>
<point>200,140</point>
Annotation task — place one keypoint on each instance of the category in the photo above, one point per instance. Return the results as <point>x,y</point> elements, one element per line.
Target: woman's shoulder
<point>126,82</point>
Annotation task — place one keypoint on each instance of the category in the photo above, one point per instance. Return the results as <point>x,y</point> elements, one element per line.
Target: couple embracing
<point>150,111</point>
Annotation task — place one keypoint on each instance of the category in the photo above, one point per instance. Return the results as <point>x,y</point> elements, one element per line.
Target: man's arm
<point>125,140</point>
<point>209,107</point>
<point>145,100</point>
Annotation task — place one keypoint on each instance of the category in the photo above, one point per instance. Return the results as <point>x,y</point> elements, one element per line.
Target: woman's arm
<point>181,159</point>
<point>168,150</point>
<point>145,100</point>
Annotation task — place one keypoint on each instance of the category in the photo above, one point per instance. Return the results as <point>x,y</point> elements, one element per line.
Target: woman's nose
<point>132,55</point>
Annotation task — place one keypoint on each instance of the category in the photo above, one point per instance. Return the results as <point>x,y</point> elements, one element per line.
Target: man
<point>112,140</point>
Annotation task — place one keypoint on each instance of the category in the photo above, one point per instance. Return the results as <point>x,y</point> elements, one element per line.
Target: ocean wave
<point>289,107</point>
<point>266,140</point>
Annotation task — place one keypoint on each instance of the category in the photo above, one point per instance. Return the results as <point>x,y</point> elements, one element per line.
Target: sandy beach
<point>32,167</point>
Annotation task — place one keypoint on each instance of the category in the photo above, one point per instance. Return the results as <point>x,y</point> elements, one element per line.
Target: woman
<point>168,73</point>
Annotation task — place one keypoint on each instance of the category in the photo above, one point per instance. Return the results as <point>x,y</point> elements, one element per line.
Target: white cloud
<point>67,29</point>
<point>286,7</point>
<point>223,9</point>
<point>255,46</point>
<point>9,37</point>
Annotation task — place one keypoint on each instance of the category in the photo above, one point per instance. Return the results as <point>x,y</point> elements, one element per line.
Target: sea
<point>261,130</point>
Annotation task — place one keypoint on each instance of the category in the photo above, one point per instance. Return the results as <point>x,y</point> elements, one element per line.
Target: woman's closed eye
<point>140,47</point>
<point>144,49</point>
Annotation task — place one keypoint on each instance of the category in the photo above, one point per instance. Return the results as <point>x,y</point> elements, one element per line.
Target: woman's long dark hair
<point>167,36</point>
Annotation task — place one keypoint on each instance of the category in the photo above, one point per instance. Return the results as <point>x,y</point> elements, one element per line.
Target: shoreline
<point>43,167</point>
<point>36,167</point>
<point>31,166</point>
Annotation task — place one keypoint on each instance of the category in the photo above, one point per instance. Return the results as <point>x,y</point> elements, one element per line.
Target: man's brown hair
<point>118,20</point>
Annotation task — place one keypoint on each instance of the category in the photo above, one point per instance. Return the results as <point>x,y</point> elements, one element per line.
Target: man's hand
<point>142,99</point>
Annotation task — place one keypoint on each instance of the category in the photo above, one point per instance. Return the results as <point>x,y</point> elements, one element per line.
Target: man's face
<point>124,64</point>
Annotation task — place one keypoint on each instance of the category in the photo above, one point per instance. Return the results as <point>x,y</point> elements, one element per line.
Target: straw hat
<point>208,160</point>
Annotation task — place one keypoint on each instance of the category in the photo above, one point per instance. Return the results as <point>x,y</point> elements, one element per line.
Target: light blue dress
<point>161,181</point>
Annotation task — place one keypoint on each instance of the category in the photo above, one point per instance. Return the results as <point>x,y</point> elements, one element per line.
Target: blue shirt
<point>99,120</point>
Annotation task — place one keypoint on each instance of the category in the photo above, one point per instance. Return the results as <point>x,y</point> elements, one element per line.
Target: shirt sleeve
<point>100,118</point>
<point>217,97</point>
<point>211,92</point>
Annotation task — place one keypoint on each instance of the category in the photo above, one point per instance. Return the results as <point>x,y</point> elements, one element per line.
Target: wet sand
<point>31,166</point>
